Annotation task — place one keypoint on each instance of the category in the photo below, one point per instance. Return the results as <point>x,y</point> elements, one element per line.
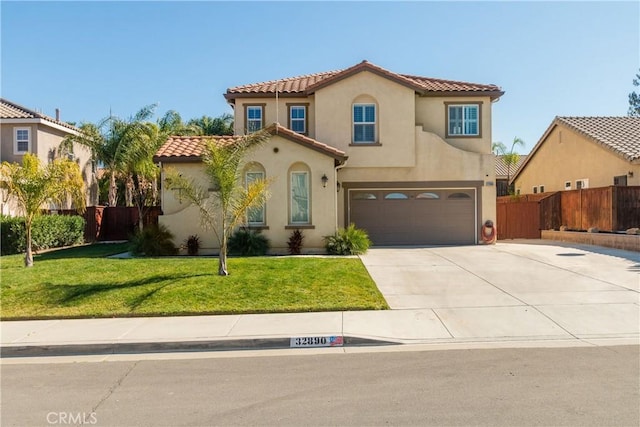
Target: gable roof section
<point>10,110</point>
<point>307,84</point>
<point>620,135</point>
<point>179,149</point>
<point>501,166</point>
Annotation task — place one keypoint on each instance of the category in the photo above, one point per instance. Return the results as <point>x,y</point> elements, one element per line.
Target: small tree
<point>510,158</point>
<point>634,99</point>
<point>33,186</point>
<point>228,205</point>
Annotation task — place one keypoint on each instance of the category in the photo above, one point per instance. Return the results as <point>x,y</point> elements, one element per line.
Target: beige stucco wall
<point>45,141</point>
<point>274,112</point>
<point>566,155</point>
<point>395,110</point>
<point>430,113</point>
<point>183,220</point>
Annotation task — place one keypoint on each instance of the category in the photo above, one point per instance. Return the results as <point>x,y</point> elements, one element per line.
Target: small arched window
<point>459,196</point>
<point>364,196</point>
<point>396,196</point>
<point>427,196</point>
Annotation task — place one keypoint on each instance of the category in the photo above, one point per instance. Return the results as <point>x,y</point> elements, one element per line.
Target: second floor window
<point>463,120</point>
<point>364,123</point>
<point>254,118</point>
<point>22,141</point>
<point>298,118</point>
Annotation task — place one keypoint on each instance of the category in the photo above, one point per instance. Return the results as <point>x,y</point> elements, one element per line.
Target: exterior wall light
<point>324,180</point>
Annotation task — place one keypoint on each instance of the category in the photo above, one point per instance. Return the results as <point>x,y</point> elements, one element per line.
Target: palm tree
<point>231,200</point>
<point>33,186</point>
<point>510,158</point>
<point>171,124</point>
<point>110,141</point>
<point>222,125</point>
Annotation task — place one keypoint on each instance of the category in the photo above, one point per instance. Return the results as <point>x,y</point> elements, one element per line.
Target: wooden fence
<point>611,208</point>
<point>105,223</point>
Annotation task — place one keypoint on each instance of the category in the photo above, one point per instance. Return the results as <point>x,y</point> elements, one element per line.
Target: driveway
<point>537,288</point>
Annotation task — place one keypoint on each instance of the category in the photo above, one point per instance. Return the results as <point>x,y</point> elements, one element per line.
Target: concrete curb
<point>40,350</point>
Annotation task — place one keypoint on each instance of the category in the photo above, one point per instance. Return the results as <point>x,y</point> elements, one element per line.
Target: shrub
<point>48,231</point>
<point>153,240</point>
<point>295,242</point>
<point>192,244</point>
<point>248,242</point>
<point>348,241</point>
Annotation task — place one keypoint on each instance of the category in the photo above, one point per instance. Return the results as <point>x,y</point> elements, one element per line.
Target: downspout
<point>335,201</point>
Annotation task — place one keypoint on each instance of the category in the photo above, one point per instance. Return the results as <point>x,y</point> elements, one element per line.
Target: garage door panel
<point>426,216</point>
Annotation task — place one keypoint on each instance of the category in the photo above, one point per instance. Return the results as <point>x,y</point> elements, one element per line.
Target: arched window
<point>300,194</point>
<point>396,196</point>
<point>459,196</point>
<point>427,196</point>
<point>364,196</point>
<point>256,216</point>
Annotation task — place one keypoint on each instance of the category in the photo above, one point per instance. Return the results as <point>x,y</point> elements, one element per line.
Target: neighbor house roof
<point>308,84</point>
<point>189,148</point>
<point>620,135</point>
<point>11,111</point>
<point>501,166</point>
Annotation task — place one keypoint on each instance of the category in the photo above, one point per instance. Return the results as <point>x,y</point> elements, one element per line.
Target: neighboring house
<point>407,158</point>
<point>26,131</point>
<point>582,152</point>
<point>505,172</point>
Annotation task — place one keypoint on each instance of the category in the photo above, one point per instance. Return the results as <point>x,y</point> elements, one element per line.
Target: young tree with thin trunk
<point>510,158</point>
<point>34,186</point>
<point>227,207</point>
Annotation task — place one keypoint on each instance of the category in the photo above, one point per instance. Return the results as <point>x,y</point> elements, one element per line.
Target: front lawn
<point>81,282</point>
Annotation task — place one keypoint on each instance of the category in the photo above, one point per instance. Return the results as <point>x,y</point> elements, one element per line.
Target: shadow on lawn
<point>78,294</point>
<point>97,250</point>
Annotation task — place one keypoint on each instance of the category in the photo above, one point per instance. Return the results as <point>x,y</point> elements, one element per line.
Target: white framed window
<point>300,198</point>
<point>567,185</point>
<point>541,188</point>
<point>463,120</point>
<point>364,123</point>
<point>22,140</point>
<point>582,183</point>
<point>255,215</point>
<point>254,117</point>
<point>535,190</point>
<point>298,118</point>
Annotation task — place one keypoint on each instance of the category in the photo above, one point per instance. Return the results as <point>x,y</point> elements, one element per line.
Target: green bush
<point>348,241</point>
<point>246,242</point>
<point>153,240</point>
<point>48,231</point>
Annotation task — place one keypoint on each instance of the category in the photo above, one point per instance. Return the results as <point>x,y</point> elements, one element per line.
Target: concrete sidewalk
<point>503,295</point>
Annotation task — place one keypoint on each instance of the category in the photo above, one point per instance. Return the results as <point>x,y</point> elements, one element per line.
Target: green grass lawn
<point>81,282</point>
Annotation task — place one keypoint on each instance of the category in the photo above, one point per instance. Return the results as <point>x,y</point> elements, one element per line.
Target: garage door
<point>415,217</point>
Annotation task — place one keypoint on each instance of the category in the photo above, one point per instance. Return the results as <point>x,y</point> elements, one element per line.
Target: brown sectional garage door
<point>415,217</point>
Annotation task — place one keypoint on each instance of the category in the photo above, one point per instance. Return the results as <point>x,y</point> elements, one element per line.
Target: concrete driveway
<point>535,289</point>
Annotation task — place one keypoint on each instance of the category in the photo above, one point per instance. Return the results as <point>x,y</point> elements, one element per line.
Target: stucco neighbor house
<point>582,152</point>
<point>23,130</point>
<point>505,172</point>
<point>407,158</point>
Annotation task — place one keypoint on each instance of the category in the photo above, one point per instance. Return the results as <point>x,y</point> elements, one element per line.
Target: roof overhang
<point>39,121</point>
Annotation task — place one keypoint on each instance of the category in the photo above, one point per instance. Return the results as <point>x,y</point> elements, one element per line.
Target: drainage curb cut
<point>164,347</point>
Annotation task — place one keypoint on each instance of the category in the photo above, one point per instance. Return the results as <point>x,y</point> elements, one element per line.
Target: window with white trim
<point>364,123</point>
<point>298,118</point>
<point>255,215</point>
<point>299,198</point>
<point>463,120</point>
<point>254,118</point>
<point>22,140</point>
<point>582,183</point>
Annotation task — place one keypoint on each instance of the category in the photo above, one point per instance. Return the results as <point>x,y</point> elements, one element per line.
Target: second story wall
<point>382,123</point>
<point>277,111</point>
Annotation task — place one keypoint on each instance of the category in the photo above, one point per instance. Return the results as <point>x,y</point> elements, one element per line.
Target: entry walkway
<point>508,294</point>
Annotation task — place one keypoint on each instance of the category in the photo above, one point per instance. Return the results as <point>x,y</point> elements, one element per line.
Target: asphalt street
<point>598,386</point>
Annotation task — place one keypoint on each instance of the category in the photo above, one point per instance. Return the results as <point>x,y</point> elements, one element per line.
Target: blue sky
<point>551,58</point>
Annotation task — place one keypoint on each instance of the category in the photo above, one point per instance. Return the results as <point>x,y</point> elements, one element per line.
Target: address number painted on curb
<point>335,341</point>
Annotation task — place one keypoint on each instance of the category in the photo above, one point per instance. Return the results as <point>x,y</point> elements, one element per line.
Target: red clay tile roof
<point>189,148</point>
<point>11,110</point>
<point>308,84</point>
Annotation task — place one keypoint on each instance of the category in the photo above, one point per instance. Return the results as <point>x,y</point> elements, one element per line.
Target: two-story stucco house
<point>407,158</point>
<point>23,130</point>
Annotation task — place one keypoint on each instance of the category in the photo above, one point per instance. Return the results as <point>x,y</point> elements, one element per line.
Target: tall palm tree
<point>222,125</point>
<point>110,140</point>
<point>510,158</point>
<point>33,185</point>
